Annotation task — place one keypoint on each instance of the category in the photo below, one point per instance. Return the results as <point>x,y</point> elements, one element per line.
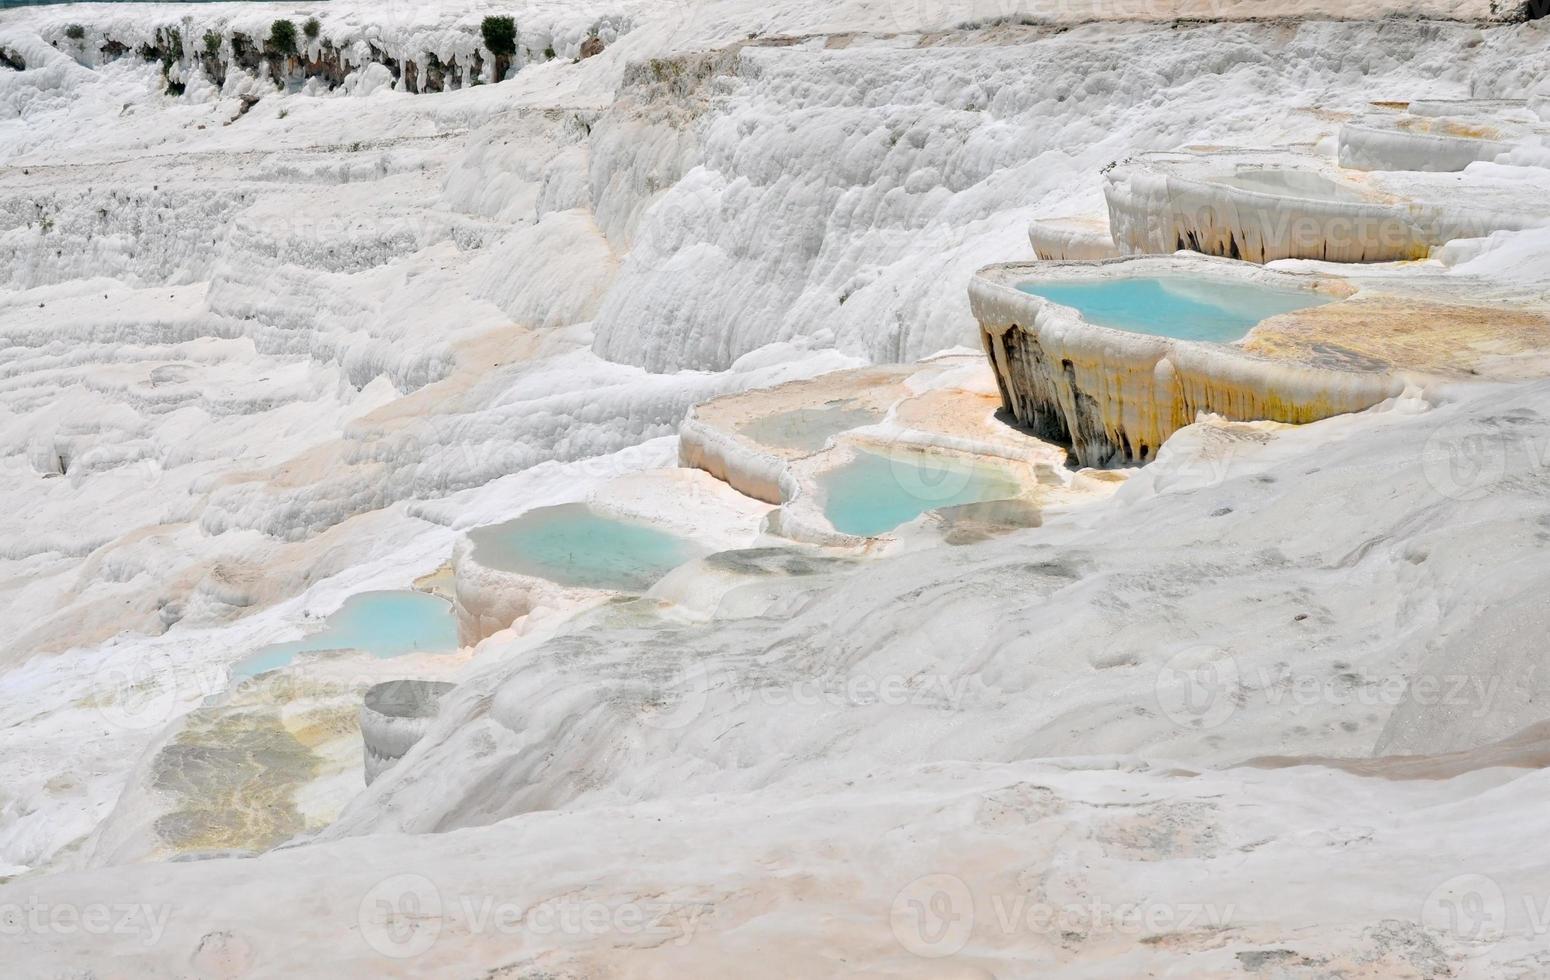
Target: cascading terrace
<point>1075,366</point>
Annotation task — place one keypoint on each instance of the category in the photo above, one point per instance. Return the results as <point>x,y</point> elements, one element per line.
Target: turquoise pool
<point>572,545</point>
<point>1176,306</point>
<point>876,492</point>
<point>383,624</point>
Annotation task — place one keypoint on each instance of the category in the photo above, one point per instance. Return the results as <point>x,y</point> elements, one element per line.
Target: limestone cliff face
<point>1115,396</point>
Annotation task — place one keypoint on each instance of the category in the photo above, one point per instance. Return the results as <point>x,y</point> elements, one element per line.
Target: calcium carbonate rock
<point>1437,137</point>
<point>1116,395</point>
<point>394,716</point>
<point>1263,205</point>
<point>1072,239</point>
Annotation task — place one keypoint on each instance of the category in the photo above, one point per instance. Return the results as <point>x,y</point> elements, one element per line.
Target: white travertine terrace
<point>487,600</point>
<point>1072,239</point>
<point>1114,395</point>
<point>746,467</point>
<point>394,716</point>
<point>945,406</point>
<point>685,502</point>
<point>1439,136</point>
<point>712,436</point>
<point>1263,205</point>
<point>1506,110</point>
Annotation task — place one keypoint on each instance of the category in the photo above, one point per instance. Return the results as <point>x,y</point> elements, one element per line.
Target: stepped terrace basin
<point>933,441</point>
<point>1440,135</point>
<point>876,491</point>
<point>1263,205</point>
<point>550,560</point>
<point>384,624</point>
<point>573,545</point>
<point>1189,308</point>
<point>1115,356</point>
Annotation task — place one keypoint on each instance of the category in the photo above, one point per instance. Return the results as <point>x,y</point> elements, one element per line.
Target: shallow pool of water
<point>807,429</point>
<point>383,624</point>
<point>876,492</point>
<point>572,545</point>
<point>1294,183</point>
<point>1176,306</point>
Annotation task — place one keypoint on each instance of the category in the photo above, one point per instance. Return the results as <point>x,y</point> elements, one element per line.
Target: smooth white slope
<point>804,834</point>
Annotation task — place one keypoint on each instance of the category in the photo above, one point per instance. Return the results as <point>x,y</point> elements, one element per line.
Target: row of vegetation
<point>282,35</point>
<point>499,33</point>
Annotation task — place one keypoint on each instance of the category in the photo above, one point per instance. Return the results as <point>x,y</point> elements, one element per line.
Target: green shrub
<point>549,54</point>
<point>311,28</point>
<point>500,35</point>
<point>282,37</point>
<point>212,43</point>
<point>75,32</point>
